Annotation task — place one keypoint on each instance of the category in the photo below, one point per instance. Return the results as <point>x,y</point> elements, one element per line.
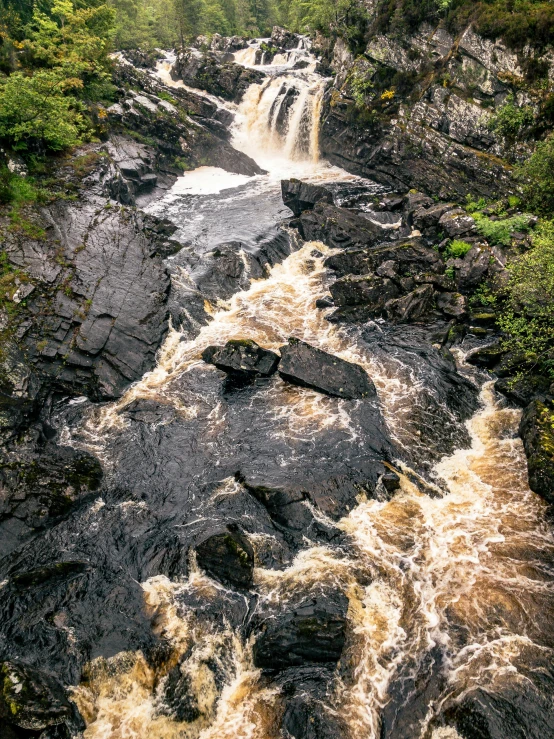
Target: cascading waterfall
<point>282,115</point>
<point>269,124</point>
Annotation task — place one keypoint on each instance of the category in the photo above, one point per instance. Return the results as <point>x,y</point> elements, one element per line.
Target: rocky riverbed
<point>256,477</point>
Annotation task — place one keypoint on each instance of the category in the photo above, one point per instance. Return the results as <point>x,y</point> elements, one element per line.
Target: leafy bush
<point>528,315</point>
<point>457,249</point>
<point>37,109</point>
<point>537,179</point>
<point>511,120</point>
<point>499,232</point>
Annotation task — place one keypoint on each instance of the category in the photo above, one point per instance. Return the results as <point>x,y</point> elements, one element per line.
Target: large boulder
<point>228,557</point>
<point>312,632</point>
<point>34,700</point>
<point>307,692</point>
<point>339,227</point>
<point>284,39</point>
<point>408,257</point>
<point>300,196</point>
<point>538,439</point>
<point>305,365</point>
<point>371,290</point>
<point>412,307</point>
<point>243,358</point>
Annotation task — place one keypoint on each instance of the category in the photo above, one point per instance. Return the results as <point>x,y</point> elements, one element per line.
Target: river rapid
<point>449,580</point>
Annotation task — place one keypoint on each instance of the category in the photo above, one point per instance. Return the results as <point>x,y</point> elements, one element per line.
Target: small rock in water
<point>391,481</point>
<point>305,365</point>
<point>242,358</point>
<point>228,557</point>
<point>326,302</point>
<point>314,631</point>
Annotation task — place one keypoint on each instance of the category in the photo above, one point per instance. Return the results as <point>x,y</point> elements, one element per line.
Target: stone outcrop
<point>228,557</point>
<point>300,196</point>
<point>538,439</point>
<point>425,126</point>
<point>208,71</point>
<point>33,700</point>
<point>305,365</point>
<point>242,358</point>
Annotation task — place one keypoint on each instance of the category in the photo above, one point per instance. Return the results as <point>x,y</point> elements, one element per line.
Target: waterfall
<point>281,117</point>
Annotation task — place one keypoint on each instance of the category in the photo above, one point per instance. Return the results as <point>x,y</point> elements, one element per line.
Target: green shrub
<point>528,315</point>
<point>511,120</point>
<point>500,232</point>
<point>457,249</point>
<point>537,179</point>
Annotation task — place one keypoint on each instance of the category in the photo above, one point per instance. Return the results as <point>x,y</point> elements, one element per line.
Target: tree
<point>38,109</point>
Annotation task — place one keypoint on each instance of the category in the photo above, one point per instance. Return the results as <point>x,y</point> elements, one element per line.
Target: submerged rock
<point>313,631</point>
<point>305,365</point>
<point>243,358</point>
<point>305,691</point>
<point>228,557</point>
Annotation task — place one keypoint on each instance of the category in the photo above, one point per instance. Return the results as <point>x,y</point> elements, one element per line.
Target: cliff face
<point>413,111</point>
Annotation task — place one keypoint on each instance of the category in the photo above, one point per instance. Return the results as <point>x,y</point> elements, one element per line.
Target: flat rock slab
<point>244,358</point>
<point>305,365</point>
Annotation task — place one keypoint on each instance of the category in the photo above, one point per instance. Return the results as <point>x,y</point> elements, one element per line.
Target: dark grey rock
<point>300,196</point>
<point>305,365</point>
<point>228,557</point>
<point>453,304</point>
<point>371,291</point>
<point>242,357</point>
<point>312,632</point>
<point>412,307</point>
<point>32,699</point>
<point>339,227</point>
<point>538,439</point>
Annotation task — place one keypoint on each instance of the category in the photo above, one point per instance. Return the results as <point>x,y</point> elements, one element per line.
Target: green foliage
<point>449,273</point>
<point>474,205</point>
<point>500,232</point>
<point>457,249</point>
<point>65,62</point>
<point>360,82</point>
<point>511,120</point>
<point>528,315</point>
<point>536,176</point>
<point>518,22</point>
<point>38,109</point>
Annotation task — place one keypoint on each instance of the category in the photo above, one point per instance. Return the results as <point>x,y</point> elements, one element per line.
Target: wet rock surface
<point>538,438</point>
<point>34,700</point>
<point>242,359</point>
<point>300,196</point>
<point>305,365</point>
<point>311,632</point>
<point>228,557</point>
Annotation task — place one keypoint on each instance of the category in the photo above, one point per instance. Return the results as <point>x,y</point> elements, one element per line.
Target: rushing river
<point>449,582</point>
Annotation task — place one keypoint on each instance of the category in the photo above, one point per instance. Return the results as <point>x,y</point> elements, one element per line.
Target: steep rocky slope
<point>413,110</point>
